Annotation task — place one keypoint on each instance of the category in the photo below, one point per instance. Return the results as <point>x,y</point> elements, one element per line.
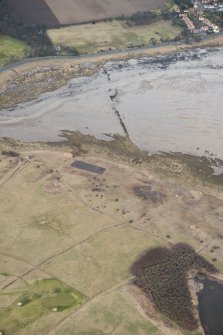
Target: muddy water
<point>163,104</point>
<point>211,307</point>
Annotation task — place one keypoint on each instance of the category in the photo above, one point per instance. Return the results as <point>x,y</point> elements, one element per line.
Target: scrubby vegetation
<point>151,16</point>
<point>162,274</point>
<point>200,166</point>
<point>148,193</point>
<point>183,4</point>
<point>11,50</point>
<point>143,18</point>
<point>10,153</point>
<point>215,17</point>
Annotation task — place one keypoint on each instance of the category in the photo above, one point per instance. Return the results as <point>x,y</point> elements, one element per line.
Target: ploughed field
<point>55,12</point>
<point>33,12</point>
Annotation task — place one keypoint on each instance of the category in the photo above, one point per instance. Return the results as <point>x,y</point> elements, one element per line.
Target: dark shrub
<point>162,274</point>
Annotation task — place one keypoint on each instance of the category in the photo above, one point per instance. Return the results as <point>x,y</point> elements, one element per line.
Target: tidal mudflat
<point>168,103</point>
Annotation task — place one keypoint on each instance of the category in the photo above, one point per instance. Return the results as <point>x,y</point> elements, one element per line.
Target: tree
<point>153,41</point>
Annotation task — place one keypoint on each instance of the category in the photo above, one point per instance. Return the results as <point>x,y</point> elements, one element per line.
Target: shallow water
<point>211,307</point>
<point>166,104</point>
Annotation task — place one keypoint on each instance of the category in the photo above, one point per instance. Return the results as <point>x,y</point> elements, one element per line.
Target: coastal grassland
<point>90,38</point>
<point>113,313</point>
<point>103,262</point>
<point>85,230</point>
<point>44,215</point>
<point>35,300</point>
<point>11,50</point>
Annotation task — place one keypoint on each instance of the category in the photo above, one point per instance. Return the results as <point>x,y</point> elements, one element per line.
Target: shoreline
<point>158,170</point>
<point>98,82</point>
<point>162,48</point>
<point>199,163</point>
<point>66,63</point>
<point>191,188</point>
<point>194,169</point>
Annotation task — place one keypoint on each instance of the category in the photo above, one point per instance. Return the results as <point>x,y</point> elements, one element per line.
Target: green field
<point>35,300</point>
<point>11,50</point>
<point>89,38</point>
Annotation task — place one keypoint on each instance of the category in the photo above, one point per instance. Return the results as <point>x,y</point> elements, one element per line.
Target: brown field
<point>33,12</point>
<point>54,12</point>
<point>76,11</point>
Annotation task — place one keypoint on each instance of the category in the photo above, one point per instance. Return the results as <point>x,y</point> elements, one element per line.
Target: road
<point>132,51</point>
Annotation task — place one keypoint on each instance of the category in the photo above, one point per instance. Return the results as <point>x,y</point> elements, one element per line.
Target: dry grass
<point>113,313</point>
<point>86,230</point>
<point>89,38</point>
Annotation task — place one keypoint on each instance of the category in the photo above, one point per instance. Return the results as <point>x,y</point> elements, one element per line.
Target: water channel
<point>211,307</point>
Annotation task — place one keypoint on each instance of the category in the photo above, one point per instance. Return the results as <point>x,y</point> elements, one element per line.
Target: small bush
<point>10,153</point>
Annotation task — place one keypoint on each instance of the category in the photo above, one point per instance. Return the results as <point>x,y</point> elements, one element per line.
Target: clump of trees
<point>215,17</point>
<point>34,35</point>
<point>10,153</point>
<point>148,193</point>
<point>162,274</point>
<point>148,17</point>
<point>143,18</point>
<point>184,4</point>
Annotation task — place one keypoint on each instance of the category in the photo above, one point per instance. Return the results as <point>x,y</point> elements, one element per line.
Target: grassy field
<point>11,50</point>
<point>113,313</point>
<point>88,38</point>
<point>84,231</point>
<point>35,300</point>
